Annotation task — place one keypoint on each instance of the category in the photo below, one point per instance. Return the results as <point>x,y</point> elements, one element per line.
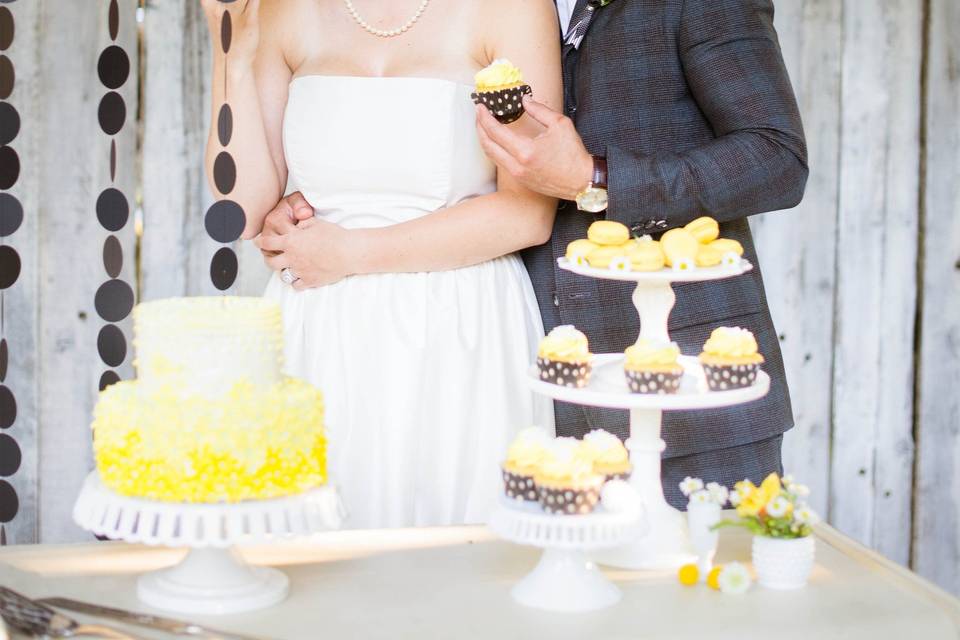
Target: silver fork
<point>29,616</point>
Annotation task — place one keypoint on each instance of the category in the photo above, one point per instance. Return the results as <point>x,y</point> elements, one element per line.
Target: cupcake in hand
<point>566,482</point>
<point>653,367</point>
<point>500,88</point>
<point>524,457</point>
<point>609,456</point>
<point>730,359</point>
<point>564,358</point>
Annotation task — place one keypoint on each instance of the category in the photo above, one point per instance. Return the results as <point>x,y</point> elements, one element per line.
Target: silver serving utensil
<point>29,616</point>
<point>170,625</point>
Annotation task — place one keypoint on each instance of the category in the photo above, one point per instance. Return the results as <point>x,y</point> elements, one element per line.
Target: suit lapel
<point>583,14</point>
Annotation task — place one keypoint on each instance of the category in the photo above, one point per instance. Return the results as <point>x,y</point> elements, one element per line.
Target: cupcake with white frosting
<point>730,359</point>
<point>567,483</point>
<point>524,457</point>
<point>564,358</point>
<point>608,455</point>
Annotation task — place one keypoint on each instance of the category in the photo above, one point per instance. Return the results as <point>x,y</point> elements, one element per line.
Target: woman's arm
<point>254,80</point>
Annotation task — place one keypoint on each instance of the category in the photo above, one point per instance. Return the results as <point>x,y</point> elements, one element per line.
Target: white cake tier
<point>207,345</point>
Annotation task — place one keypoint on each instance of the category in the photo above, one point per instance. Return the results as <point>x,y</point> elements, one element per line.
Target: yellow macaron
<point>708,256</point>
<point>679,246</point>
<point>646,255</point>
<point>608,233</point>
<point>578,250</point>
<point>603,257</point>
<point>705,229</point>
<point>725,245</point>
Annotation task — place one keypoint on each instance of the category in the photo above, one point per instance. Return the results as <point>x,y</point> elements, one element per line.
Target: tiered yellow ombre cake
<point>210,417</point>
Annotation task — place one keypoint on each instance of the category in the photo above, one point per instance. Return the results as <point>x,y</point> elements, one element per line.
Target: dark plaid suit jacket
<point>690,102</point>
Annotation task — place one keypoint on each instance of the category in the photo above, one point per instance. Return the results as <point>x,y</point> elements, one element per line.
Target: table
<point>454,582</point>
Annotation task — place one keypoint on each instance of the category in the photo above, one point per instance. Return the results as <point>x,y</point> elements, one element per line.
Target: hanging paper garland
<point>11,217</point>
<point>225,220</point>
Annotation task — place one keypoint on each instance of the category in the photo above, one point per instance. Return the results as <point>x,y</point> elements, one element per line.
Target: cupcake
<point>566,482</point>
<point>524,457</point>
<point>564,358</point>
<point>500,88</point>
<point>609,456</point>
<point>652,367</point>
<point>730,359</point>
<point>646,255</point>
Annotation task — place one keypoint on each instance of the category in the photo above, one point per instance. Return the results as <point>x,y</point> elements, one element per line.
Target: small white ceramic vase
<point>701,516</point>
<point>783,564</point>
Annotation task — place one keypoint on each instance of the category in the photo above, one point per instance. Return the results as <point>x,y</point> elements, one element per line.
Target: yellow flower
<point>689,575</point>
<point>756,498</point>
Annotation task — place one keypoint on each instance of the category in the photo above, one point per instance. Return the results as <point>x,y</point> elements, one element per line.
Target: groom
<point>673,109</point>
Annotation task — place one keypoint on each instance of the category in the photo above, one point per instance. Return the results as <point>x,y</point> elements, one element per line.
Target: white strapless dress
<point>423,373</point>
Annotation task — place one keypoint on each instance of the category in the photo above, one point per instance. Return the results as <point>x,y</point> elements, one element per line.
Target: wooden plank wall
<point>863,269</point>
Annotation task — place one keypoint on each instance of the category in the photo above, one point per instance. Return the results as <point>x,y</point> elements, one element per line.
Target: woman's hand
<point>318,252</point>
<point>245,27</point>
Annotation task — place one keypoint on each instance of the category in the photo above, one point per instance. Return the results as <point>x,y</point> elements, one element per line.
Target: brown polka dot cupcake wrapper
<point>506,105</point>
<point>654,382</point>
<point>730,376</point>
<point>625,475</point>
<point>519,487</point>
<point>569,502</point>
<point>566,374</point>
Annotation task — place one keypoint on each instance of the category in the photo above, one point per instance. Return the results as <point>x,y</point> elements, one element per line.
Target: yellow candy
<point>679,245</point>
<point>646,255</point>
<point>601,257</point>
<point>608,233</point>
<point>725,245</point>
<point>578,250</point>
<point>708,256</point>
<point>704,229</point>
<point>713,578</point>
<point>688,575</point>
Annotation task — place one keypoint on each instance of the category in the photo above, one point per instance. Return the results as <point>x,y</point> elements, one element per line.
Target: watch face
<point>593,200</point>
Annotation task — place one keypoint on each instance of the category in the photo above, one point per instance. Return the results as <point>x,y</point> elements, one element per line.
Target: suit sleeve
<point>757,162</point>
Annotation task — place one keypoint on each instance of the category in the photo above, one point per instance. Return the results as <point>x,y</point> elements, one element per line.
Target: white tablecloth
<point>455,582</point>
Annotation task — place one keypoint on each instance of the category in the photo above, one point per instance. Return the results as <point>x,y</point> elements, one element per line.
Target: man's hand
<point>555,163</point>
<point>285,216</point>
<point>318,252</point>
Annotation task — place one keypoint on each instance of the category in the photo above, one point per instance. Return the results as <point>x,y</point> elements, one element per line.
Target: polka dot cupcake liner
<point>519,487</point>
<point>623,475</point>
<point>730,376</point>
<point>506,105</point>
<point>653,382</point>
<point>569,501</point>
<point>566,374</point>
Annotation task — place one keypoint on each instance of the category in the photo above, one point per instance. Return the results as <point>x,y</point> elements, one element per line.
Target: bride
<point>407,307</point>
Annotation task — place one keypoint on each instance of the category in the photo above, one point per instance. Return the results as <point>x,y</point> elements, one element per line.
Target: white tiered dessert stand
<point>664,543</point>
<point>212,578</point>
<point>565,579</point>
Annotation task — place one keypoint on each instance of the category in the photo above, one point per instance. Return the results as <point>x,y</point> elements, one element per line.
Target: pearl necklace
<point>385,33</point>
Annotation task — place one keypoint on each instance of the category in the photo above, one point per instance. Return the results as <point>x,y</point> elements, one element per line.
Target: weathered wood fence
<point>863,277</point>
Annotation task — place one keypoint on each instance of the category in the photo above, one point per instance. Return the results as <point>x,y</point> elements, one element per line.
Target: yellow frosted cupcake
<point>566,482</point>
<point>564,358</point>
<point>652,367</point>
<point>610,458</point>
<point>524,457</point>
<point>730,359</point>
<point>500,88</point>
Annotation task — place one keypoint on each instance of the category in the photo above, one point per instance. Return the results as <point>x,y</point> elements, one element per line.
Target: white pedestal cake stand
<point>212,578</point>
<point>565,579</point>
<point>665,543</point>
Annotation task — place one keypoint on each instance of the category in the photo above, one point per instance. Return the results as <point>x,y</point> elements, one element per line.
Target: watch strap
<point>599,180</point>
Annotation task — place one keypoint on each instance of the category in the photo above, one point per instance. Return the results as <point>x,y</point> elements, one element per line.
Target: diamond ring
<point>288,276</point>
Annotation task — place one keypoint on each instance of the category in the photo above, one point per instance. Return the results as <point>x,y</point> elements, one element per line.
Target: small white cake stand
<point>212,578</point>
<point>565,579</point>
<point>664,544</point>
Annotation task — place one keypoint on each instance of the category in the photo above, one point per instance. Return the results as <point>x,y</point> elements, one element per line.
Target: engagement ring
<point>288,276</point>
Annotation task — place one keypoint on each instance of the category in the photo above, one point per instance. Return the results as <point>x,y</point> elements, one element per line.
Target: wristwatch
<point>593,199</point>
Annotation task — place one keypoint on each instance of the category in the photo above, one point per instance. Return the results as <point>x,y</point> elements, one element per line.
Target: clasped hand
<point>318,252</point>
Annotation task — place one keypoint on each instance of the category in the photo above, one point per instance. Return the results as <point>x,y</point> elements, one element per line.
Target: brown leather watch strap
<point>599,180</point>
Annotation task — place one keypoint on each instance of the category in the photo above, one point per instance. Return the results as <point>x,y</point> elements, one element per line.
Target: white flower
<point>787,480</point>
<point>735,498</point>
<point>778,507</point>
<point>580,261</point>
<point>701,497</point>
<point>718,492</point>
<point>730,259</point>
<point>734,579</point>
<point>621,263</point>
<point>800,490</point>
<point>805,515</point>
<point>690,485</point>
<point>684,264</point>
